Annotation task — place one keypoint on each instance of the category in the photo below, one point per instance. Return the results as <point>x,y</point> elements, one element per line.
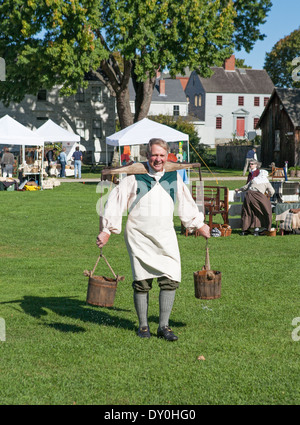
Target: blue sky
<point>283,18</point>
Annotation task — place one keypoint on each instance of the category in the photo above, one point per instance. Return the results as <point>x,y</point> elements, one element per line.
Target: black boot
<point>166,333</point>
<point>144,332</point>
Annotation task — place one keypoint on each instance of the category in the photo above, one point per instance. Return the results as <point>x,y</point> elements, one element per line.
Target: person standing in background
<point>77,156</point>
<point>63,162</point>
<point>256,209</point>
<point>50,158</point>
<point>7,163</point>
<point>251,154</point>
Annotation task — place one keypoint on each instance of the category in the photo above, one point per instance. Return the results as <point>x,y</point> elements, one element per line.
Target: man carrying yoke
<point>150,235</point>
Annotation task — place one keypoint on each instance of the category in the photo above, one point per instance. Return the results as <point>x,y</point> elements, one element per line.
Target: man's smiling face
<point>157,158</point>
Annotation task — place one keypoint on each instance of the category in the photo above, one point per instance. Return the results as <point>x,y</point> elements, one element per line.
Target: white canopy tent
<point>142,131</point>
<point>54,133</point>
<point>14,133</point>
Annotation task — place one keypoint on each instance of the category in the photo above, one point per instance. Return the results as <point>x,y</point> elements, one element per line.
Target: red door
<point>240,126</point>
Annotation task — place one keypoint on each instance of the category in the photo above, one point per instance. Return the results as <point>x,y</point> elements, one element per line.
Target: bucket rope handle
<point>102,256</point>
<point>91,273</point>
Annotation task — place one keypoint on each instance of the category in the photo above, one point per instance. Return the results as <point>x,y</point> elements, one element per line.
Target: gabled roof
<point>173,89</point>
<point>248,81</point>
<point>241,111</point>
<point>290,99</point>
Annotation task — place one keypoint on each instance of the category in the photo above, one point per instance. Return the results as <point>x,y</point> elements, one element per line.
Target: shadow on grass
<point>78,310</point>
<point>74,309</point>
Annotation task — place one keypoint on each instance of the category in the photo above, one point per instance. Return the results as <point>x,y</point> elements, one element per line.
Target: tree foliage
<point>282,63</point>
<point>240,63</point>
<point>249,16</point>
<point>57,42</point>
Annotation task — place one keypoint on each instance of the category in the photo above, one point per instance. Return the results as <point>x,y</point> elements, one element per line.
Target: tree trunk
<point>123,108</point>
<point>143,97</point>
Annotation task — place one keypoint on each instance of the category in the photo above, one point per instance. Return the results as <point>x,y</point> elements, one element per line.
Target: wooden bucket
<point>102,290</point>
<point>207,284</point>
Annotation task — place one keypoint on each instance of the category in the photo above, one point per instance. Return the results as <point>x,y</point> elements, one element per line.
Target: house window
<point>256,101</point>
<point>97,129</point>
<point>241,101</point>
<point>96,94</point>
<point>218,123</point>
<point>79,96</point>
<point>175,110</point>
<point>42,95</point>
<point>255,122</point>
<point>80,128</point>
<point>219,100</point>
<point>266,100</point>
<point>198,100</point>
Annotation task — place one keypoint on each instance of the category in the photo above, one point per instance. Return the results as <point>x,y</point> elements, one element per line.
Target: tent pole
<point>42,168</point>
<point>188,149</point>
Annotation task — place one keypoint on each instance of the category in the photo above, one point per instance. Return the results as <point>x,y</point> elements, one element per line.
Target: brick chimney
<point>162,87</point>
<point>229,64</point>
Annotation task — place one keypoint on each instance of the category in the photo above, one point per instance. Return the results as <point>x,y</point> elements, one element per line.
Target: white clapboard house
<point>228,104</point>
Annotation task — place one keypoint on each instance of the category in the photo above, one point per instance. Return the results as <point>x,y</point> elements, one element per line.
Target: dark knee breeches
<point>163,282</point>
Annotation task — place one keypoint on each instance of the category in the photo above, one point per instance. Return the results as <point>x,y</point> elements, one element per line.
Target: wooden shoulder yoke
<point>141,168</point>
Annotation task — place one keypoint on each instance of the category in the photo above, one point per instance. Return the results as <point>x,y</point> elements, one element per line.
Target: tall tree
<point>282,63</point>
<point>240,63</point>
<point>250,14</point>
<point>47,42</point>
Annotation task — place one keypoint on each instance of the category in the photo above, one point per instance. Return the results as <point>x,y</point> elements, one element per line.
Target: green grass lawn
<point>60,350</point>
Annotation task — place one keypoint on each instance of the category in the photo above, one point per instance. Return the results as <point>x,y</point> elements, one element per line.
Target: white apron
<point>150,237</point>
